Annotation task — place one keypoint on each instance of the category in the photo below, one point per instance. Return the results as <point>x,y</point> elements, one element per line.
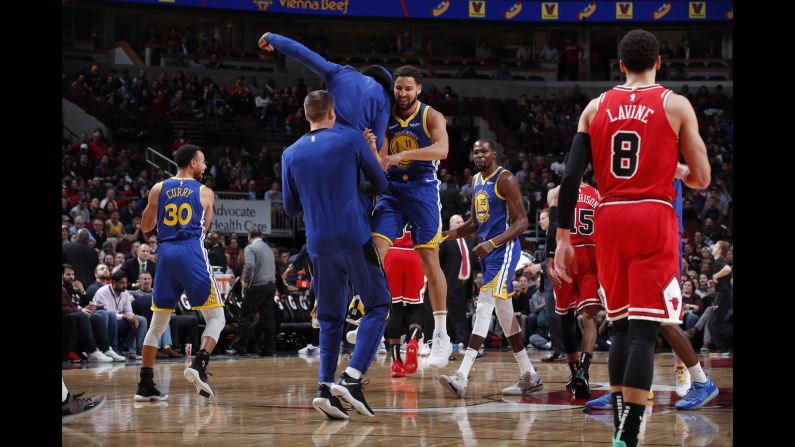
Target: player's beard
<point>482,168</point>
<point>411,104</point>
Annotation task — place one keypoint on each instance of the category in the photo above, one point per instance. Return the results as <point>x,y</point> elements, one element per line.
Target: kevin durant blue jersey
<point>491,210</point>
<point>180,214</point>
<point>408,135</point>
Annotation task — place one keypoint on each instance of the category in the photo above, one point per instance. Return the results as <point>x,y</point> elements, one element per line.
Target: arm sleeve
<point>292,203</point>
<point>569,186</point>
<point>320,66</point>
<point>551,231</point>
<point>368,165</point>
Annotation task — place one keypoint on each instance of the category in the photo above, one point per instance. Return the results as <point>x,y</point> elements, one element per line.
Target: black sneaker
<point>328,405</point>
<point>581,389</point>
<point>197,373</point>
<point>350,390</point>
<point>77,406</point>
<point>570,384</point>
<point>146,389</point>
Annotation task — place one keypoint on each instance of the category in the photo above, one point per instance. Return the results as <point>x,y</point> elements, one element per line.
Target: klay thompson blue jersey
<point>408,135</point>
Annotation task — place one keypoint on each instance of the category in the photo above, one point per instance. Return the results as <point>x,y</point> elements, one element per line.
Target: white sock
<point>440,322</point>
<point>524,362</point>
<point>697,374</point>
<point>64,391</point>
<point>469,359</point>
<point>353,373</point>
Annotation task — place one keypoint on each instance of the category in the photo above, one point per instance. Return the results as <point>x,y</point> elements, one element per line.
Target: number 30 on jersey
<point>176,215</point>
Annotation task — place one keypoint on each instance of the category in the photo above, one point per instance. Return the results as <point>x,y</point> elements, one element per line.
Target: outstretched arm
<point>313,61</point>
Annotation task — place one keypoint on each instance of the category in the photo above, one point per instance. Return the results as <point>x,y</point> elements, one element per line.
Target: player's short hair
<point>317,104</point>
<point>409,72</point>
<point>254,232</point>
<point>486,141</point>
<point>185,154</point>
<point>639,50</point>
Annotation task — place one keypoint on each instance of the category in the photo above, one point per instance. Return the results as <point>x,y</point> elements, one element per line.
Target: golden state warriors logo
<point>403,141</point>
<point>482,206</point>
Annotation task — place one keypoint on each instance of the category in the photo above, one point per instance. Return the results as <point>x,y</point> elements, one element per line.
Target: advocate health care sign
<point>241,216</point>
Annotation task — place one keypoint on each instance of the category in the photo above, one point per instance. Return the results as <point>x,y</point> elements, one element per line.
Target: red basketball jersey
<point>404,241</point>
<point>634,148</point>
<point>587,201</point>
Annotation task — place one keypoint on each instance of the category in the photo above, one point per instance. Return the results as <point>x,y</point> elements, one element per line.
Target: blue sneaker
<point>605,402</point>
<point>699,395</point>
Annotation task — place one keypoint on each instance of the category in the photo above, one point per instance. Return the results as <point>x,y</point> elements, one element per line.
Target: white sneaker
<point>112,354</point>
<point>309,349</point>
<point>440,351</point>
<point>381,348</point>
<point>457,384</point>
<point>525,384</point>
<point>425,349</point>
<point>351,336</point>
<point>98,357</point>
<point>682,380</point>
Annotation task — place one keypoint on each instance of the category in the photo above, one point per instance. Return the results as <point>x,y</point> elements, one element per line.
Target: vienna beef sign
<point>241,216</point>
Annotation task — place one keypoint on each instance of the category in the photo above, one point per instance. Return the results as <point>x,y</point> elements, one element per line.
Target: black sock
<point>573,367</point>
<point>631,417</point>
<point>585,362</point>
<point>618,407</point>
<point>396,353</point>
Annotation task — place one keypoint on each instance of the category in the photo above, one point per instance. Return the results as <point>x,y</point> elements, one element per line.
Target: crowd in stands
<point>105,189</point>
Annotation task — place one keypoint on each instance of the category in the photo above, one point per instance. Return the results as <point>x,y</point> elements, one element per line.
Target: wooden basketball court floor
<point>268,401</point>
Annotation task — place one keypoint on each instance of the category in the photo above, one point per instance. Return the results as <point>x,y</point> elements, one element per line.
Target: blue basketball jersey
<point>408,135</point>
<point>180,214</point>
<point>491,210</point>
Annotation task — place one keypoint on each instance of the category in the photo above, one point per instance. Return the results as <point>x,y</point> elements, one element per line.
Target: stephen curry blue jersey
<point>180,214</point>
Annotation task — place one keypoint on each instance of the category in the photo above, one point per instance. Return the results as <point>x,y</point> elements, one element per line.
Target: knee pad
<point>640,360</point>
<point>394,328</point>
<point>483,314</point>
<point>215,321</point>
<point>619,351</point>
<point>413,314</point>
<point>568,321</point>
<point>506,317</point>
<point>159,324</point>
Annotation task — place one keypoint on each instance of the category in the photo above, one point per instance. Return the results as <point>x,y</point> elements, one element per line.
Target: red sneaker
<point>411,356</point>
<point>72,357</point>
<point>397,369</point>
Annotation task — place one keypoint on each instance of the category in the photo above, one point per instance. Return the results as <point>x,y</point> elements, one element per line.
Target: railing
<point>160,161</point>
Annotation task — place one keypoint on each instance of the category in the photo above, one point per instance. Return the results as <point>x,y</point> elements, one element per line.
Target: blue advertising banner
<point>499,10</point>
